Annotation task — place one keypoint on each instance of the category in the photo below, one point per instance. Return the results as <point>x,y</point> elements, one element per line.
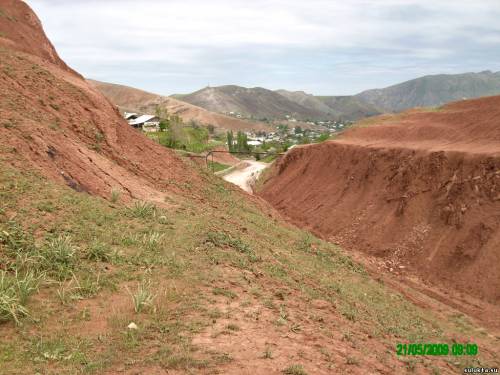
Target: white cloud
<point>208,36</point>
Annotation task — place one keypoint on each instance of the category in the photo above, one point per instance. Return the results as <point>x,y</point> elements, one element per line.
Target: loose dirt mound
<point>421,190</point>
<point>52,119</point>
<point>131,99</point>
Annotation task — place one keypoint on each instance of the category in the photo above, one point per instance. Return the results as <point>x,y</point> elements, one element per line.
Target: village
<point>287,134</point>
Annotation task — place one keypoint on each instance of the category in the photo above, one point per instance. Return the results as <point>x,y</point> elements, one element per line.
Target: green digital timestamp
<point>457,349</point>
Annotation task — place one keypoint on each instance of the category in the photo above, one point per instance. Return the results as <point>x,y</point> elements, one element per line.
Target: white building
<point>130,116</point>
<point>148,123</point>
<point>254,142</point>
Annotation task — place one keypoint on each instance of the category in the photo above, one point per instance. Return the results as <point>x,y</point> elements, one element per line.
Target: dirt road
<point>247,175</point>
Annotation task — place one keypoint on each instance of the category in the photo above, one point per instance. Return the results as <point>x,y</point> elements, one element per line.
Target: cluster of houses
<point>290,135</point>
<point>147,123</point>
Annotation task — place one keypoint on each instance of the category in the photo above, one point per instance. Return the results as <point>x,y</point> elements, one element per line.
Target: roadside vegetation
<point>191,137</point>
<point>89,285</point>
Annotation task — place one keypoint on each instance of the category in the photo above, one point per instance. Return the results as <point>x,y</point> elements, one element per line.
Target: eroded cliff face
<point>21,29</point>
<point>435,212</point>
<point>52,120</point>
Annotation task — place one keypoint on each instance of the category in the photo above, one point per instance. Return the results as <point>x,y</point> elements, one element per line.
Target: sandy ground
<point>245,177</point>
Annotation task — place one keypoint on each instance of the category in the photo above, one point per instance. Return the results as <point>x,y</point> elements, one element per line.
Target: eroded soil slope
<point>421,190</point>
<point>214,282</point>
<point>50,118</point>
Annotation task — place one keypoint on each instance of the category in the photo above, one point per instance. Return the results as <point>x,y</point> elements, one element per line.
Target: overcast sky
<point>319,46</point>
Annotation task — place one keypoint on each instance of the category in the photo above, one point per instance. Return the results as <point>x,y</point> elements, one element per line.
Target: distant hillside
<point>257,103</point>
<point>428,91</point>
<point>306,100</point>
<point>433,90</point>
<point>134,100</point>
<point>350,107</point>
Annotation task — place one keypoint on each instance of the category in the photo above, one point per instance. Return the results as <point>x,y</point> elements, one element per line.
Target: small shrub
<point>16,241</point>
<point>27,262</point>
<point>79,289</point>
<point>224,292</point>
<point>305,243</point>
<point>46,207</point>
<point>295,370</point>
<point>349,312</point>
<point>115,195</point>
<point>98,252</point>
<point>143,297</point>
<point>51,350</point>
<point>223,240</point>
<point>59,256</point>
<point>152,241</point>
<point>233,327</point>
<point>89,287</point>
<point>142,210</point>
<point>68,292</point>
<point>268,354</point>
<point>96,147</point>
<point>11,306</point>
<point>99,137</point>
<point>352,361</point>
<point>26,285</point>
<point>185,362</point>
<point>163,220</point>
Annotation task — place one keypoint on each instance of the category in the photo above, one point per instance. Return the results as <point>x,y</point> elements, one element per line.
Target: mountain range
<point>263,104</point>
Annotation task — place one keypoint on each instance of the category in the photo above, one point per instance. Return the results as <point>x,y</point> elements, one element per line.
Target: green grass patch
<point>217,167</point>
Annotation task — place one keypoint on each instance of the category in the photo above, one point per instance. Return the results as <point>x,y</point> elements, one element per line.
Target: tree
<point>283,129</point>
<point>194,124</point>
<point>242,142</point>
<point>298,130</point>
<point>162,113</point>
<point>164,125</point>
<point>305,140</point>
<point>323,137</point>
<point>176,134</point>
<point>211,129</point>
<point>230,141</point>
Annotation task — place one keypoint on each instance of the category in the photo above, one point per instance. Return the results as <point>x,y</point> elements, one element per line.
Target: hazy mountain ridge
<point>258,103</point>
<point>433,90</point>
<point>427,91</point>
<point>336,107</point>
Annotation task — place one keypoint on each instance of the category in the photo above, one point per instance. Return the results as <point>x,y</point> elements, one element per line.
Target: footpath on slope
<point>245,174</point>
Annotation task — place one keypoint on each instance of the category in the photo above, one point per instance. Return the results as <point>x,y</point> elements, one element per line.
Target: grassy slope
<point>196,259</point>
